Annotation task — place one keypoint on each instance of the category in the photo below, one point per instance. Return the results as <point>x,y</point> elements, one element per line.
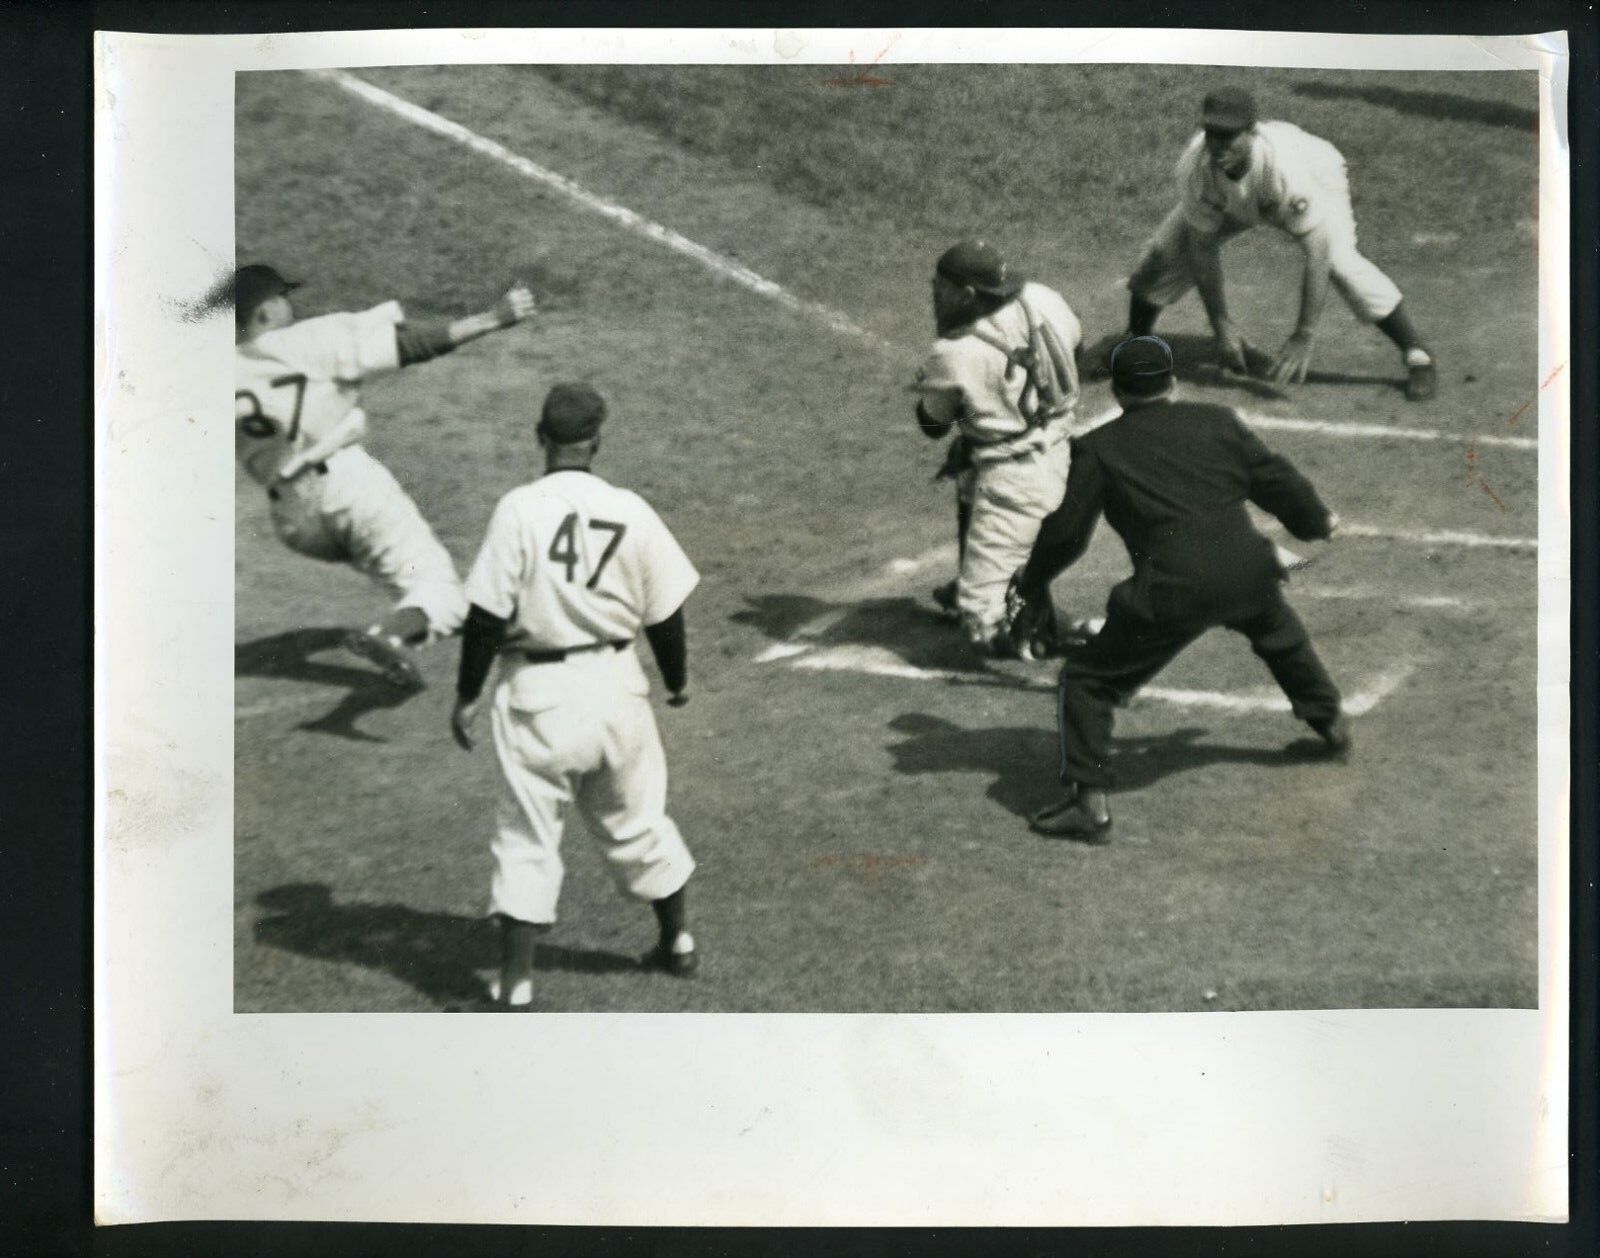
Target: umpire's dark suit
<point>1173,478</point>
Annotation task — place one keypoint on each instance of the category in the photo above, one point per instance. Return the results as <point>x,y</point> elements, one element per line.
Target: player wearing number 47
<point>299,421</point>
<point>572,568</point>
<point>1238,172</point>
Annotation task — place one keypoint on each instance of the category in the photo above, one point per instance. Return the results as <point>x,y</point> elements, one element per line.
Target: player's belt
<point>555,657</point>
<point>321,469</point>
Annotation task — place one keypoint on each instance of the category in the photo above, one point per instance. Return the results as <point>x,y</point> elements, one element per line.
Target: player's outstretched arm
<point>1294,359</point>
<point>511,309</point>
<point>419,342</point>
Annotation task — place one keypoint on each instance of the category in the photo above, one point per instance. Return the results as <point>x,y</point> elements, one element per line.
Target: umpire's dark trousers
<point>1133,647</point>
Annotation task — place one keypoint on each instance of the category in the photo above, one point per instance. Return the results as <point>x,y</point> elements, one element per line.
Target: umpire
<point>1172,477</point>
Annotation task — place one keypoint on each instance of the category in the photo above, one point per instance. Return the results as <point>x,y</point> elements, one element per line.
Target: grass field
<point>860,833</point>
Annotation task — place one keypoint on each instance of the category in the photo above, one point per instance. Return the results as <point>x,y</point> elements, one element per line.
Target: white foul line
<point>880,662</point>
<point>728,269</point>
<point>1327,428</point>
<point>1330,428</point>
<point>576,192</point>
<point>1444,537</point>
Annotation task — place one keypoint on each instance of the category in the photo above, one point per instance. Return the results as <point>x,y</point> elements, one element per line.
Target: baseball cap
<point>1142,365</point>
<point>978,265</point>
<point>1228,109</point>
<point>572,413</point>
<point>253,285</point>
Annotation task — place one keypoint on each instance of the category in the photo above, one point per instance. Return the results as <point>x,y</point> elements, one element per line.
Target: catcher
<point>1003,375</point>
<point>1173,478</point>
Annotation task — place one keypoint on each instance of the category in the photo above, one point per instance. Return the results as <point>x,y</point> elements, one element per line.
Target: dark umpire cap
<point>977,265</point>
<point>255,284</point>
<point>1228,109</point>
<point>572,413</point>
<point>1142,366</point>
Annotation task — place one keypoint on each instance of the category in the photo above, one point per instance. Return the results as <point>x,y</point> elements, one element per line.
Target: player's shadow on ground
<point>906,627</point>
<point>1025,762</point>
<point>1447,105</point>
<point>289,655</point>
<point>1194,359</point>
<point>441,955</point>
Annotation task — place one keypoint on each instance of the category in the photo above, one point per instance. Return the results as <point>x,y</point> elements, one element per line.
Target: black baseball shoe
<point>677,964</point>
<point>1335,734</point>
<point>392,659</point>
<point>1067,818</point>
<point>1422,382</point>
<point>944,598</point>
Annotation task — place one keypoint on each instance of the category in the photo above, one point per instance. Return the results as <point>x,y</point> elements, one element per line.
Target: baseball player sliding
<point>299,425</point>
<point>570,571</point>
<point>1237,173</point>
<point>1003,374</point>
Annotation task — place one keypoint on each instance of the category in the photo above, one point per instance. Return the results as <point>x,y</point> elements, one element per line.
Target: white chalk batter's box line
<point>876,661</point>
<point>806,648</point>
<point>743,276</point>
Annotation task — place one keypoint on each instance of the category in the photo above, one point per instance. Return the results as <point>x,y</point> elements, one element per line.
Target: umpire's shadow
<point>441,955</point>
<point>906,627</point>
<point>290,655</point>
<point>1025,762</point>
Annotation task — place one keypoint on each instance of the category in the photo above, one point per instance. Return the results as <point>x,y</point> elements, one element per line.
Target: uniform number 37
<point>564,550</point>
<point>255,422</point>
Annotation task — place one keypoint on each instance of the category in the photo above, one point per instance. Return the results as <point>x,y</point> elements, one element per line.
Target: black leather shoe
<point>944,598</point>
<point>1335,734</point>
<point>1422,382</point>
<point>677,964</point>
<point>1069,819</point>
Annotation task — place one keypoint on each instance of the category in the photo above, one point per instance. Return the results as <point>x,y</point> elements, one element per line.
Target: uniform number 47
<point>563,548</point>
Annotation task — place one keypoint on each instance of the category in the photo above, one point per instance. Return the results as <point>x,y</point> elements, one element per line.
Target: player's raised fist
<point>517,304</point>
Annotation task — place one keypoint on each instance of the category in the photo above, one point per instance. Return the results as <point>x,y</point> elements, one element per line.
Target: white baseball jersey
<point>294,384</point>
<point>970,381</point>
<point>1295,180</point>
<point>571,560</point>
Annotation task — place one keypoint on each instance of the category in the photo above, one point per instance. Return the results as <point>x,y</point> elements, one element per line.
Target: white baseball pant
<point>580,732</point>
<point>1011,498</point>
<point>1163,274</point>
<point>357,513</point>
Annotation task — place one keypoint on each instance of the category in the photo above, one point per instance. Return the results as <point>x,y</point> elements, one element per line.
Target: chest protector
<point>1051,387</point>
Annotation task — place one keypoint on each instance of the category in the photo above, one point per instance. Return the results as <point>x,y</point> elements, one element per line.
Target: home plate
<point>878,661</point>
